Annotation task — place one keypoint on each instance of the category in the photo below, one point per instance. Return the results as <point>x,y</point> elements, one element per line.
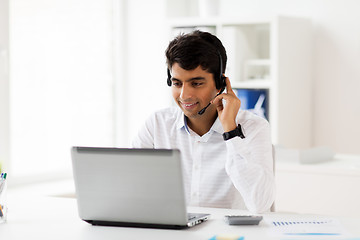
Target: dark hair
<point>198,49</point>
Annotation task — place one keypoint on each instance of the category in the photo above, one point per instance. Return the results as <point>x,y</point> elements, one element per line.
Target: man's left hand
<point>227,113</point>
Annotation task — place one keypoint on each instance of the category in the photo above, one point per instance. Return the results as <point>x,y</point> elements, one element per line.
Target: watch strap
<point>237,132</point>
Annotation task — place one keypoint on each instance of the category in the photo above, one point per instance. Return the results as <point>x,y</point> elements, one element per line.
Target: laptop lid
<point>129,187</point>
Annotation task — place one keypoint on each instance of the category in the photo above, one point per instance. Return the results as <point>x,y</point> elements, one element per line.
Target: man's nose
<point>186,92</point>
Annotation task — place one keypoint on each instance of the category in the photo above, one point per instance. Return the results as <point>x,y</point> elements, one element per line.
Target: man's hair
<point>197,49</point>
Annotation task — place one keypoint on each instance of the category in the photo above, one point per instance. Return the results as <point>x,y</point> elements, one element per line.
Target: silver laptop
<point>131,188</point>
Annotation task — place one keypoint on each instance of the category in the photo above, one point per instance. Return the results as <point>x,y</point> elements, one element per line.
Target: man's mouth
<point>189,105</point>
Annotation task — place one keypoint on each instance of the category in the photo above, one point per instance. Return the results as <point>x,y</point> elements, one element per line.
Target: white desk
<point>39,217</point>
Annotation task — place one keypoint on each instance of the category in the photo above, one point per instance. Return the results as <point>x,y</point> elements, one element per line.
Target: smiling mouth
<point>188,105</point>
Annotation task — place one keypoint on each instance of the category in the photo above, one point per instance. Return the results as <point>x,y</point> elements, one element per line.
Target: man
<point>226,153</point>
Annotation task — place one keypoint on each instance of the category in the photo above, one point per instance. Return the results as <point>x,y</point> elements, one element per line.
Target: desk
<point>43,217</point>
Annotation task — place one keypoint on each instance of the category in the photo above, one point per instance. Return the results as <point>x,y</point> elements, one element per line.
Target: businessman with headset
<point>226,152</point>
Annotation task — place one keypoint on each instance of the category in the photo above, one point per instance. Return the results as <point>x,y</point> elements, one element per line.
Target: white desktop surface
<point>33,216</point>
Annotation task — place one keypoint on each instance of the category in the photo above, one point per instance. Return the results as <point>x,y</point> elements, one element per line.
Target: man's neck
<point>201,125</point>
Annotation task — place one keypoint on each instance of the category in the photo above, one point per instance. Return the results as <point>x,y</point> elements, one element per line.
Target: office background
<point>90,72</point>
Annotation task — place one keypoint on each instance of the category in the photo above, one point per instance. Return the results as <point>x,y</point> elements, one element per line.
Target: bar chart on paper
<point>307,227</point>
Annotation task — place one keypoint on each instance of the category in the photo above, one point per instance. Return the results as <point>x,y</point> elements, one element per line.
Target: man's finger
<point>228,86</point>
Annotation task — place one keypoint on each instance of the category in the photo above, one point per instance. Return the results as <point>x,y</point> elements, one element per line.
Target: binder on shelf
<point>254,100</point>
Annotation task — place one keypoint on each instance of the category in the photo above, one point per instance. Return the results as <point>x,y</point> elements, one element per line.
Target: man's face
<point>193,90</point>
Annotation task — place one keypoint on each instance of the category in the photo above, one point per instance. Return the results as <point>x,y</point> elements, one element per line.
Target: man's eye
<point>196,84</point>
<point>176,84</point>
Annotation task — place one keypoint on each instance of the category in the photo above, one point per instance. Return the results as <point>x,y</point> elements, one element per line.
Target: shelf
<point>256,84</point>
<point>191,22</point>
<point>261,56</point>
<point>227,21</point>
<point>259,62</point>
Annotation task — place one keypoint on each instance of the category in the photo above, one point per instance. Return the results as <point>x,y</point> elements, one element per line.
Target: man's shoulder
<point>168,114</point>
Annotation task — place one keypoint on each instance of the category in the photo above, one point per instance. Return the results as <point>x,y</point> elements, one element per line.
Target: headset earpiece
<point>221,84</point>
<point>169,78</point>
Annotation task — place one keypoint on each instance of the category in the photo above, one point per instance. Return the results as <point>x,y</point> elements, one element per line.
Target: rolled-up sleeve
<point>249,165</point>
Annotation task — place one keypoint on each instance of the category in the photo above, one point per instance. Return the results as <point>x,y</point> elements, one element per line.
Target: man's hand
<point>227,114</point>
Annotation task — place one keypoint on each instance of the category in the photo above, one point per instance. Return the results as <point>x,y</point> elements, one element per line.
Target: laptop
<point>131,188</point>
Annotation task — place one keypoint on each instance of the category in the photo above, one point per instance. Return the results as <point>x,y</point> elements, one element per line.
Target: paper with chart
<point>324,228</point>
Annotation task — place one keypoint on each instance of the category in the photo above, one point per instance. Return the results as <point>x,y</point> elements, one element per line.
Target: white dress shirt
<point>237,173</point>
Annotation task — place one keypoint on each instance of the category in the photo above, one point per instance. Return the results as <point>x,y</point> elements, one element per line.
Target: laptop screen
<point>129,185</point>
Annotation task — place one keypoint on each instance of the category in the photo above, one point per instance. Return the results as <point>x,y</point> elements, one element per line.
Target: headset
<point>220,82</point>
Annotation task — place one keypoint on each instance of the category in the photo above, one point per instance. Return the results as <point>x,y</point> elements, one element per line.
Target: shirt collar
<point>182,123</point>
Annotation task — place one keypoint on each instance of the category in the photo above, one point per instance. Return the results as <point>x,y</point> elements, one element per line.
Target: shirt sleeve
<point>249,165</point>
<point>145,136</point>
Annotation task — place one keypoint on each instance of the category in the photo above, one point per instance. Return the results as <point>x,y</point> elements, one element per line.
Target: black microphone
<point>201,112</point>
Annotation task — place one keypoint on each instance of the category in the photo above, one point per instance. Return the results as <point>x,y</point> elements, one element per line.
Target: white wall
<point>4,84</point>
<point>61,82</point>
<point>64,58</point>
<point>147,40</point>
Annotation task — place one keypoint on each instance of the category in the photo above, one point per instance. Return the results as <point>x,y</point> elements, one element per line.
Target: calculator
<point>242,219</point>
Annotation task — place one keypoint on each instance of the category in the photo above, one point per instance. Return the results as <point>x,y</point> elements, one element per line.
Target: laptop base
<point>135,225</point>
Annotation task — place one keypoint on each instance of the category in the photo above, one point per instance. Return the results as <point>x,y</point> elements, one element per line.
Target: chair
<point>272,208</point>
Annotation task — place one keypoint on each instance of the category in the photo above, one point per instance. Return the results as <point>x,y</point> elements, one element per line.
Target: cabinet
<point>271,54</point>
<point>330,188</point>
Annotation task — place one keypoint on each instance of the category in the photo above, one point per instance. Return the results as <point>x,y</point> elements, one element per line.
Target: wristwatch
<point>237,132</point>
